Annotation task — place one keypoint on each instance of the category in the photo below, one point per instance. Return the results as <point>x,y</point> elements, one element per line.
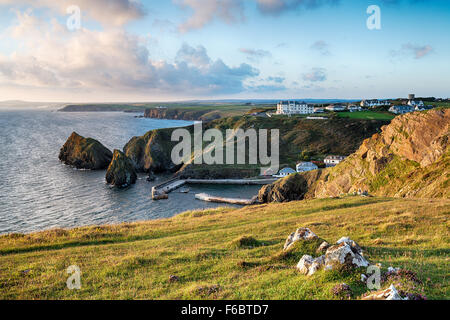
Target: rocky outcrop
<point>180,114</point>
<point>85,153</point>
<point>409,158</point>
<point>299,234</point>
<point>345,255</point>
<point>293,187</point>
<point>152,151</point>
<point>121,171</point>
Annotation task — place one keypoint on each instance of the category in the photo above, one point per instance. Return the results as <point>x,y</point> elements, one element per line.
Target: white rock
<point>390,293</point>
<point>323,247</point>
<point>300,234</point>
<point>363,278</point>
<point>308,265</point>
<point>351,243</point>
<point>342,254</point>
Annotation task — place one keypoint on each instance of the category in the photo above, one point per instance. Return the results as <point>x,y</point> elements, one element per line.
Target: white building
<point>285,172</point>
<point>331,161</point>
<point>415,103</point>
<point>401,109</point>
<point>306,166</point>
<point>354,108</point>
<point>294,107</point>
<point>374,103</point>
<point>335,107</point>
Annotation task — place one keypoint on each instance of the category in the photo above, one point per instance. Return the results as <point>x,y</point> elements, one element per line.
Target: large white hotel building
<point>294,107</point>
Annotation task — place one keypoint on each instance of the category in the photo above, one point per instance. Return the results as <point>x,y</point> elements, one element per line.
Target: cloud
<point>322,47</point>
<point>107,12</point>
<point>316,75</point>
<point>276,79</point>
<point>111,60</point>
<point>277,7</point>
<point>232,11</point>
<point>255,54</point>
<point>204,12</point>
<point>417,51</point>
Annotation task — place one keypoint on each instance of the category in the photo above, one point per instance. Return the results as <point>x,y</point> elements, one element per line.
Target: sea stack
<point>85,153</point>
<point>121,172</point>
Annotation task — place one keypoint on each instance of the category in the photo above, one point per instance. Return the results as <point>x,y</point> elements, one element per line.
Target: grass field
<point>135,260</point>
<point>367,115</point>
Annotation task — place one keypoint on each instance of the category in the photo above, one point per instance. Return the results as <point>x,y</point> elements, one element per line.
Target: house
<point>374,103</point>
<point>422,108</point>
<point>415,103</point>
<point>353,108</point>
<point>285,172</point>
<point>401,109</point>
<point>335,107</point>
<point>306,166</point>
<point>294,107</point>
<point>331,161</point>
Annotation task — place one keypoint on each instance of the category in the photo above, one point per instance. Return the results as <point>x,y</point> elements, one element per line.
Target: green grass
<point>367,115</point>
<point>206,248</point>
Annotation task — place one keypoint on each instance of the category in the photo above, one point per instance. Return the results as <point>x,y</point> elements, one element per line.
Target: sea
<point>38,192</point>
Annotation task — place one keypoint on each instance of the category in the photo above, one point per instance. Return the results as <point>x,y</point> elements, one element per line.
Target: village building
<point>374,103</point>
<point>401,109</point>
<point>294,107</point>
<point>423,108</point>
<point>285,172</point>
<point>306,166</point>
<point>331,161</point>
<point>335,107</point>
<point>354,108</point>
<point>415,103</point>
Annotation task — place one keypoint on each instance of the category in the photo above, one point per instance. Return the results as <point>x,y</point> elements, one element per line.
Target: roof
<point>331,157</point>
<point>306,164</point>
<point>287,170</point>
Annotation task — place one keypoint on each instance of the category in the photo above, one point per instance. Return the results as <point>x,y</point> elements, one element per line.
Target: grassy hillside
<point>134,261</point>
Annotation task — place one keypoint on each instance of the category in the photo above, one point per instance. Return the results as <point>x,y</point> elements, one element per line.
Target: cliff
<point>298,137</point>
<point>85,153</point>
<point>121,172</point>
<point>181,114</point>
<point>409,158</point>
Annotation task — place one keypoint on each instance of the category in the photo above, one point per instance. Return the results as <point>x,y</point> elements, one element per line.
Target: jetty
<point>162,190</point>
<point>208,198</point>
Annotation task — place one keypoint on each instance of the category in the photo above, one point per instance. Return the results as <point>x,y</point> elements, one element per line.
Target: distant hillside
<point>313,139</point>
<point>409,158</point>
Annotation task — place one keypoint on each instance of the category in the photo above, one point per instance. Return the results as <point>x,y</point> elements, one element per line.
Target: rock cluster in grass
<point>347,257</point>
<point>345,254</point>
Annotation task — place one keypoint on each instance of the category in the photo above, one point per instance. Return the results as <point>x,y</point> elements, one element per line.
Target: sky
<point>148,50</point>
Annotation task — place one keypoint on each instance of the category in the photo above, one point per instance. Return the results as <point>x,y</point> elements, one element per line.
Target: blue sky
<point>212,49</point>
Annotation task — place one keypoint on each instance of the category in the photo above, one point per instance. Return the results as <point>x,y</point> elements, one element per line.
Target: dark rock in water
<point>151,177</point>
<point>85,153</point>
<point>121,171</point>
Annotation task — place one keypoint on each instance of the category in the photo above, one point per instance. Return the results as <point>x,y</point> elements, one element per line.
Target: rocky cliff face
<point>85,153</point>
<point>152,151</point>
<point>409,158</point>
<point>121,171</point>
<point>180,114</point>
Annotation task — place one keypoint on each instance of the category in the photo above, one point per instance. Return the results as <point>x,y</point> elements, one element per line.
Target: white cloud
<point>322,47</point>
<point>204,12</point>
<point>417,51</point>
<point>54,57</point>
<point>107,12</point>
<point>316,75</point>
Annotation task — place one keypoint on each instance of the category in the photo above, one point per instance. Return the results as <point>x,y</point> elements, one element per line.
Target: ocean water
<point>38,192</point>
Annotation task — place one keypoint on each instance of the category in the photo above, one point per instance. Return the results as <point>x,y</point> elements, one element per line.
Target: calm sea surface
<point>37,192</point>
